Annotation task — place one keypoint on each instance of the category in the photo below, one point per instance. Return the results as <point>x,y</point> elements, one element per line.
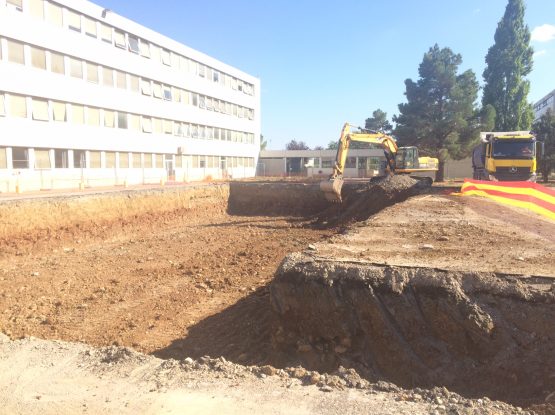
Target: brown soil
<point>148,281</point>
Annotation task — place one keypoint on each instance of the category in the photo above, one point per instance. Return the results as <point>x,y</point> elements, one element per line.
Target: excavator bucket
<point>332,189</point>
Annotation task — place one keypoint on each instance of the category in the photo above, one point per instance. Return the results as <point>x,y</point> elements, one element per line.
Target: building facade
<point>88,97</point>
<point>544,104</point>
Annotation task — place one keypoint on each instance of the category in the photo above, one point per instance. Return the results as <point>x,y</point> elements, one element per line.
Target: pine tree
<point>508,62</point>
<point>440,115</point>
<point>544,128</point>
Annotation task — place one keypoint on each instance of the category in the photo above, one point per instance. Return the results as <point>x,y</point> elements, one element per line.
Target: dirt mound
<point>361,202</point>
<point>475,333</point>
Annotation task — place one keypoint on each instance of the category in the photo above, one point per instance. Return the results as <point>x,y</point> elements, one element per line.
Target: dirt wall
<point>276,198</point>
<point>475,333</point>
<point>33,218</point>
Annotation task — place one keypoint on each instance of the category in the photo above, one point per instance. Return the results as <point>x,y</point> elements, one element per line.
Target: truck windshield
<point>513,149</point>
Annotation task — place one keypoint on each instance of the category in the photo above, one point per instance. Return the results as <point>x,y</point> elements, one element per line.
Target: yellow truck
<point>507,156</point>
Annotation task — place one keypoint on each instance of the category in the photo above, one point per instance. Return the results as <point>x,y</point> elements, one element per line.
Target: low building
<point>360,163</point>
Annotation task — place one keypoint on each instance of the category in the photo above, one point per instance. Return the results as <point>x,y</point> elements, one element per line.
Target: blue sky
<point>322,63</point>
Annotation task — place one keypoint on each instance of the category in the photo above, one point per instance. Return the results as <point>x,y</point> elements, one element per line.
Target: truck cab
<point>510,156</point>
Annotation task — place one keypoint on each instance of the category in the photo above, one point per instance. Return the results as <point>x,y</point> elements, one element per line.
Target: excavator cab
<point>407,158</point>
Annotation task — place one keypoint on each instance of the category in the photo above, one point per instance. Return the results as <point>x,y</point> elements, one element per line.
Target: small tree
<point>296,145</point>
<point>318,148</point>
<point>378,122</point>
<point>544,129</point>
<point>332,145</point>
<point>263,143</point>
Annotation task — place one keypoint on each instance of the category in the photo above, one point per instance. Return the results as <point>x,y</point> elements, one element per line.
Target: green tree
<point>440,115</point>
<point>332,145</point>
<point>378,122</point>
<point>544,129</point>
<point>263,143</point>
<point>508,62</point>
<point>296,145</point>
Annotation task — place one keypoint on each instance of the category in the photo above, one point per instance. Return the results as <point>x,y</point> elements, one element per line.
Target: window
<point>121,80</point>
<point>166,60</point>
<point>177,129</point>
<point>40,109</point>
<point>15,52</point>
<point>61,159</point>
<point>134,83</point>
<point>120,39</point>
<point>3,159</point>
<point>59,111</point>
<point>110,158</point>
<point>94,160</point>
<point>57,63</point>
<point>201,70</point>
<point>327,163</point>
<point>77,114</point>
<point>216,76</point>
<point>178,161</point>
<point>105,33</point>
<point>92,72</point>
<point>148,161</point>
<point>93,117</point>
<point>2,105</point>
<point>145,87</point>
<point>20,158</point>
<point>107,76</point>
<point>133,43</point>
<point>79,159</point>
<point>109,119</point>
<point>351,162</point>
<point>16,3</point>
<point>157,90</point>
<point>134,122</point>
<point>159,160</point>
<point>17,106</point>
<point>136,157</point>
<point>76,68</point>
<point>195,161</point>
<point>74,21</point>
<point>202,101</point>
<point>42,159</point>
<point>175,60</point>
<point>155,53</point>
<point>54,14</point>
<point>175,94</point>
<point>38,58</point>
<point>122,120</point>
<point>144,48</point>
<point>147,124</point>
<point>90,27</point>
<point>123,160</point>
<point>36,8</point>
<point>167,93</point>
<point>157,125</point>
<point>168,126</point>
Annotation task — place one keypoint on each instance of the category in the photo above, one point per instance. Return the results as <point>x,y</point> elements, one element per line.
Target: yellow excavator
<point>400,160</point>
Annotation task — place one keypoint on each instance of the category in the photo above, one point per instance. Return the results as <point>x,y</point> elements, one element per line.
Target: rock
<point>35,274</point>
<point>326,388</point>
<point>312,247</point>
<point>427,246</point>
<point>340,349</point>
<point>189,361</point>
<point>268,370</point>
<point>314,379</point>
<point>520,258</point>
<point>304,348</point>
<point>443,238</point>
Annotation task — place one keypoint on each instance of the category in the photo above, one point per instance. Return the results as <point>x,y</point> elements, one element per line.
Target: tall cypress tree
<point>508,62</point>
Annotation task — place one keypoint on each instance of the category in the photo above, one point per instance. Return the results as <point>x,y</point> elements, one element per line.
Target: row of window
<point>109,77</point>
<point>38,109</point>
<point>544,103</point>
<point>64,17</point>
<point>62,159</point>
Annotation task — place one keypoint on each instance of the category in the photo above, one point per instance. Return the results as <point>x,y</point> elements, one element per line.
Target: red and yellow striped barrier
<point>527,195</point>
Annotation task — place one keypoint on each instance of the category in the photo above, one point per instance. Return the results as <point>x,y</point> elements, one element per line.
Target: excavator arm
<point>332,186</point>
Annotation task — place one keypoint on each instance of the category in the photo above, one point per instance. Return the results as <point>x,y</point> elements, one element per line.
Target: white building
<point>544,104</point>
<point>89,98</point>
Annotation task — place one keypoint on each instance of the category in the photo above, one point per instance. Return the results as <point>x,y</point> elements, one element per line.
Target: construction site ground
<point>192,282</point>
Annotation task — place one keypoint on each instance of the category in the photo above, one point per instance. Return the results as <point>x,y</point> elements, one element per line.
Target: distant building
<point>88,97</point>
<point>544,104</point>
